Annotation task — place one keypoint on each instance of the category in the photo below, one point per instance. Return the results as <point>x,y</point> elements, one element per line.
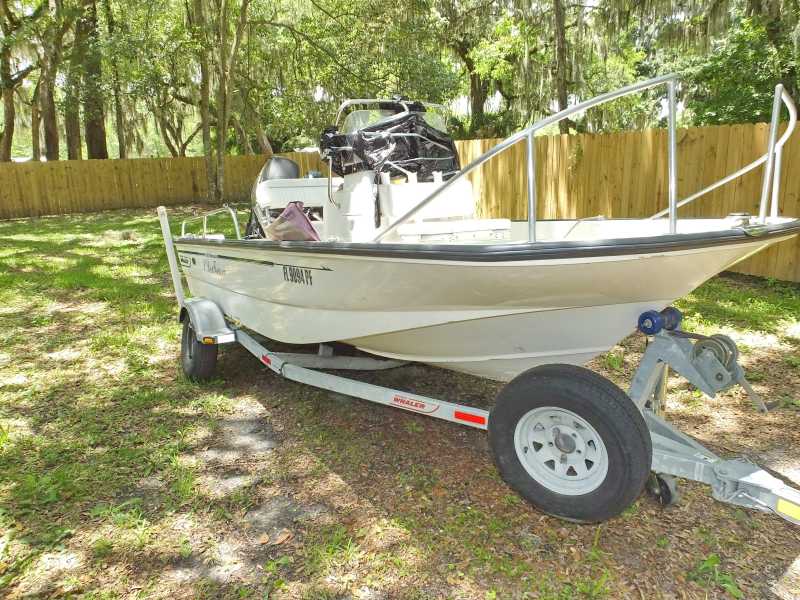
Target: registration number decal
<point>297,275</point>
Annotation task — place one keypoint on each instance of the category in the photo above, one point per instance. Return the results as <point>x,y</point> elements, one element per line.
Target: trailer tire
<point>570,442</point>
<point>199,361</point>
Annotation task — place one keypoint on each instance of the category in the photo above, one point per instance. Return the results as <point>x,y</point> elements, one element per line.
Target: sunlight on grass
<point>73,437</point>
<point>100,485</point>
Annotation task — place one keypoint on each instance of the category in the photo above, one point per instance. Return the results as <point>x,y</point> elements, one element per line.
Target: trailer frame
<point>698,359</point>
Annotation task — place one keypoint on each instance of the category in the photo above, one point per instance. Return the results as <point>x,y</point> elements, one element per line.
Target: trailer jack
<point>710,363</point>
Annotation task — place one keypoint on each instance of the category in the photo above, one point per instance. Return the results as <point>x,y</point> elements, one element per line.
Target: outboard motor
<point>278,167</point>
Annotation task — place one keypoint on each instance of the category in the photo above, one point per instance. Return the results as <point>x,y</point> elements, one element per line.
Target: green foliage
<point>708,572</point>
<point>298,59</point>
<point>734,83</point>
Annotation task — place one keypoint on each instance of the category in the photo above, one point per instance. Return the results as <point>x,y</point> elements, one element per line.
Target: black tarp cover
<point>405,140</point>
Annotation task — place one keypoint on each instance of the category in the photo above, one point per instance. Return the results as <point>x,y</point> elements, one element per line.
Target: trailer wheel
<point>199,361</point>
<point>570,442</point>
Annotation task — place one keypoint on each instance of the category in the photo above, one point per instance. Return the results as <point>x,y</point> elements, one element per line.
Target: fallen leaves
<point>282,537</point>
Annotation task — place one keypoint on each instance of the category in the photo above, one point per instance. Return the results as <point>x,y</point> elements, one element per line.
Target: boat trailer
<point>710,363</point>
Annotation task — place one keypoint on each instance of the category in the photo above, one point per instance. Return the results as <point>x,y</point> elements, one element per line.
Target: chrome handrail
<point>210,213</point>
<point>528,132</point>
<point>772,157</point>
<point>776,186</point>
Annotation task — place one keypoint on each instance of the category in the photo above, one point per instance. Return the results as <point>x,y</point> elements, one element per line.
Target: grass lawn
<point>119,478</point>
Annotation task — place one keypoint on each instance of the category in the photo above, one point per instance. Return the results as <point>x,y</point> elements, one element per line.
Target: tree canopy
<point>112,78</point>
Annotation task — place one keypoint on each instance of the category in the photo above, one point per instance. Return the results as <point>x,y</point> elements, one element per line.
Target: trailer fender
<point>207,320</point>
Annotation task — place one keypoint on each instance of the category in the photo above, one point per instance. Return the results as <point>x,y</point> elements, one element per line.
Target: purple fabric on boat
<point>292,225</point>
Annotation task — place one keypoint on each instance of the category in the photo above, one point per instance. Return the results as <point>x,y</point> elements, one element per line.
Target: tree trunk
<point>7,135</point>
<point>72,131</point>
<point>48,111</point>
<point>244,140</point>
<point>478,90</point>
<point>222,97</point>
<point>561,61</point>
<point>72,113</point>
<point>36,120</point>
<point>166,132</point>
<point>188,140</point>
<point>119,114</point>
<point>263,141</point>
<point>200,29</point>
<point>93,109</point>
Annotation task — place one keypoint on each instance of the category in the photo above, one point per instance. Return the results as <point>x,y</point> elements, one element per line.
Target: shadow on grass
<point>93,407</point>
<point>90,397</point>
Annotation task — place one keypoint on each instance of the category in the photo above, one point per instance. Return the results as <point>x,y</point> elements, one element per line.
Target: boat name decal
<point>297,275</point>
<point>412,404</point>
<point>212,266</point>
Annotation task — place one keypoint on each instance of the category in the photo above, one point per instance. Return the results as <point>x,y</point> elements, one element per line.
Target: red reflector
<point>266,359</point>
<point>465,416</point>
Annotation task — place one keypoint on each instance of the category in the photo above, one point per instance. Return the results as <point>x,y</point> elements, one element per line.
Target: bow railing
<point>771,181</point>
<point>772,158</point>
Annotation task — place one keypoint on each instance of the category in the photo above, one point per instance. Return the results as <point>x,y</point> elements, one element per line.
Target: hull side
<point>494,320</point>
<point>502,347</point>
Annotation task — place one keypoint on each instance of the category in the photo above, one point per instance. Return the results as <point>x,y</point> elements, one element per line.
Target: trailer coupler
<point>710,363</point>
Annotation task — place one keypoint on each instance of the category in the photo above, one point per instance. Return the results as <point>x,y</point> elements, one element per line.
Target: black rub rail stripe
<point>269,263</point>
<point>512,252</point>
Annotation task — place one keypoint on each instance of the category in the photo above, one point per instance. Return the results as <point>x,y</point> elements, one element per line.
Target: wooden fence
<point>34,189</point>
<point>625,175</point>
<point>616,175</point>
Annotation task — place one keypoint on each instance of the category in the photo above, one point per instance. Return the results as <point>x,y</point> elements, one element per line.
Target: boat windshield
<point>358,119</point>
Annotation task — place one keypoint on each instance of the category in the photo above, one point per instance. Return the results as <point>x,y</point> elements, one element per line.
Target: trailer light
<point>209,340</point>
<point>266,359</point>
<point>789,509</point>
<point>469,417</point>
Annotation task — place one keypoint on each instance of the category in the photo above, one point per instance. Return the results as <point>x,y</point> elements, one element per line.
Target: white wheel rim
<point>561,451</point>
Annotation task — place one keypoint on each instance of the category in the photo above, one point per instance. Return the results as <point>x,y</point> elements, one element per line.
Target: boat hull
<point>494,319</point>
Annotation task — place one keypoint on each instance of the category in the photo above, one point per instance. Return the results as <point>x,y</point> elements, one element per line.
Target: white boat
<point>387,256</point>
<point>404,270</point>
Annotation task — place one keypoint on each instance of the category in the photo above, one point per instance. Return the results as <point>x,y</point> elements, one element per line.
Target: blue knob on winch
<point>652,321</point>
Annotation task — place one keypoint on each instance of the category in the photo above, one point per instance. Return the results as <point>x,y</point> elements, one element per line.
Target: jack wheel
<point>664,488</point>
